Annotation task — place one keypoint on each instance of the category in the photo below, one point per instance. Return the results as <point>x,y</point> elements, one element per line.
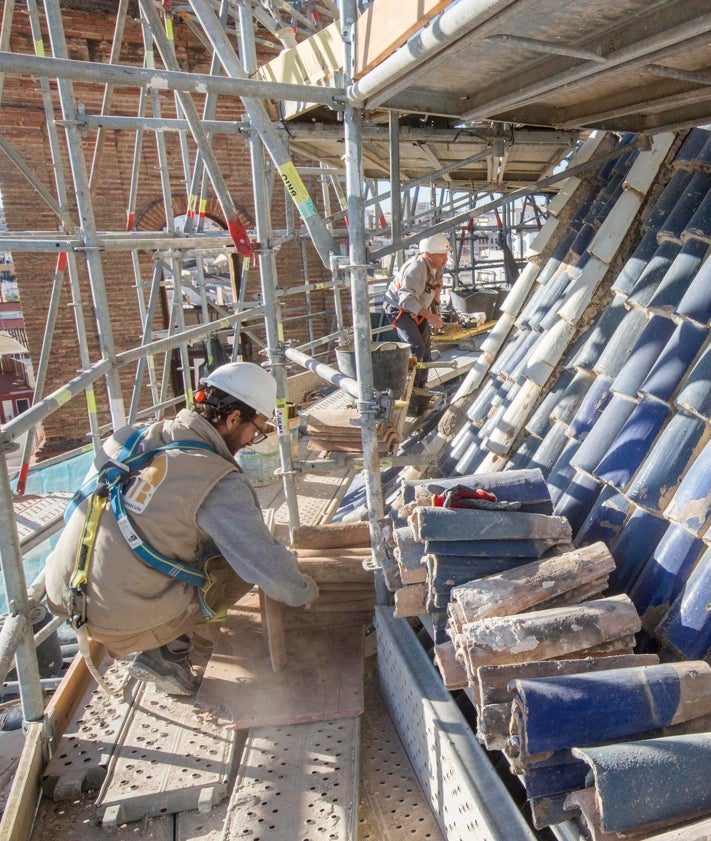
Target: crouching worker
<point>167,533</point>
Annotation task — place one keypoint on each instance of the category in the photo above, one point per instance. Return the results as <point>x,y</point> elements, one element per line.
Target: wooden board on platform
<point>322,678</point>
<point>38,516</point>
<point>456,333</point>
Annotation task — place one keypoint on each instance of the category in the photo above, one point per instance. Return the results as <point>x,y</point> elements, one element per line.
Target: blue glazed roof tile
<point>622,428</point>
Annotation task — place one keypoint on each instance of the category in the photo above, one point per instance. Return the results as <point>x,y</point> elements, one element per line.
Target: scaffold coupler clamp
<point>375,409</point>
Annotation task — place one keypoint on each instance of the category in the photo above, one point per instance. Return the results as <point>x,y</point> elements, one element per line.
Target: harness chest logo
<point>140,488</point>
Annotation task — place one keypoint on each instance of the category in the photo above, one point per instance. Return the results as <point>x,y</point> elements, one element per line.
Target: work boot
<point>202,646</point>
<point>170,671</point>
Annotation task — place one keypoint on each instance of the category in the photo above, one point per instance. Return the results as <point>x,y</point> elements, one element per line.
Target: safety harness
<point>104,490</point>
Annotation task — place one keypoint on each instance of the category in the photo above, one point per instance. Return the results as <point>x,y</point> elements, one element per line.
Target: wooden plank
<point>454,332</point>
<point>63,704</point>
<point>400,407</point>
<point>379,32</point>
<point>315,61</point>
<point>331,536</point>
<point>273,623</point>
<point>19,811</point>
<point>323,677</point>
<point>16,824</point>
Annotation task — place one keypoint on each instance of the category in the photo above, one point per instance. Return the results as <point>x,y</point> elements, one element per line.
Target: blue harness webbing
<point>110,481</point>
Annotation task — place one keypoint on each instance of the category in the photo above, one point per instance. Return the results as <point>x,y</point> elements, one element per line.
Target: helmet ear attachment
<point>201,396</point>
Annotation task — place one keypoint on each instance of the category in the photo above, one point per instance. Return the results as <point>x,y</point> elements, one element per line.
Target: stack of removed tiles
<point>545,617</point>
<point>334,555</point>
<point>338,430</point>
<point>565,724</point>
<point>438,548</point>
<point>547,610</point>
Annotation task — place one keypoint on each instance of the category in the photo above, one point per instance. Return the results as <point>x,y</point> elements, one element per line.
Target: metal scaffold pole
<point>368,406</point>
<point>320,235</point>
<point>395,195</point>
<point>164,44</point>
<point>86,215</point>
<point>13,575</point>
<point>268,275</point>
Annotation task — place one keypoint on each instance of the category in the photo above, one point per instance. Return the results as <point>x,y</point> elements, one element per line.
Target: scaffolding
<point>183,252</point>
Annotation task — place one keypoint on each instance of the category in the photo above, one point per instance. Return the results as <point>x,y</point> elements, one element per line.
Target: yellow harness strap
<point>82,560</point>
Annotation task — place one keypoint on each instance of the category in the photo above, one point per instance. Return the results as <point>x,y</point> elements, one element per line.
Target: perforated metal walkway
<point>349,779</point>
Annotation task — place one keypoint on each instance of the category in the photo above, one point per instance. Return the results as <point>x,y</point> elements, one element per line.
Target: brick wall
<point>89,37</point>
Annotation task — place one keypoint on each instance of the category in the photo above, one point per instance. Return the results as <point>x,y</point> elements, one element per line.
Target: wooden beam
<point>21,803</point>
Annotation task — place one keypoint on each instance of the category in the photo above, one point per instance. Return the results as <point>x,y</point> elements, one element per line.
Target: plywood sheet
<point>316,61</point>
<point>379,32</point>
<point>322,678</point>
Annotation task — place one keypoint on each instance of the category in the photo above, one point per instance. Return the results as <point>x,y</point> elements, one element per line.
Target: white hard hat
<point>247,382</point>
<point>436,244</point>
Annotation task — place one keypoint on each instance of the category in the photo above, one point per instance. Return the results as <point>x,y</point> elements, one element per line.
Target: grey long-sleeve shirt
<point>413,288</point>
<point>231,515</point>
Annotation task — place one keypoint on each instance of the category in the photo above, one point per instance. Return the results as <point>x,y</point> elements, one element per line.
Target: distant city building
<point>16,374</point>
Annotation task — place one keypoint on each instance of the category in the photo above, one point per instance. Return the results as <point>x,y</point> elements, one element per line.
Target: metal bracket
<point>8,443</point>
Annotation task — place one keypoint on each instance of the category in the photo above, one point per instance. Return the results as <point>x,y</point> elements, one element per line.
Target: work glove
<point>461,496</point>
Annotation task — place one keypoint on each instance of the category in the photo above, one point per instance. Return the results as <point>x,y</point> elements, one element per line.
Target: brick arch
<point>151,217</point>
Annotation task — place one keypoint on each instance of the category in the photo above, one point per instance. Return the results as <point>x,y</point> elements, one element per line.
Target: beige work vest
<point>125,595</point>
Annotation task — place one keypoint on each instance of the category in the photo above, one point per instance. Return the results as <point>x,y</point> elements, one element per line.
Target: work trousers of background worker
<point>418,336</point>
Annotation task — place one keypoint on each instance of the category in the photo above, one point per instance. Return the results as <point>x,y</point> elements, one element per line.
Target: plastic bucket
<point>259,461</point>
<point>478,300</point>
<point>390,364</point>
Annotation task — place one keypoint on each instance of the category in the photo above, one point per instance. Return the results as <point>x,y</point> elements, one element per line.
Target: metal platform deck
<point>348,779</point>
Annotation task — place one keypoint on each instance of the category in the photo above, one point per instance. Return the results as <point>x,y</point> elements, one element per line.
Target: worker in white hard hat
<point>411,300</point>
<point>167,533</point>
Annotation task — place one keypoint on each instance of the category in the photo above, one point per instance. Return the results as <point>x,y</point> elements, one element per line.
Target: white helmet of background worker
<point>436,244</point>
<point>247,382</point>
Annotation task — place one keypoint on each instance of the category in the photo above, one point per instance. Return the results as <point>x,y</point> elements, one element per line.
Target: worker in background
<point>411,300</point>
<point>193,541</point>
